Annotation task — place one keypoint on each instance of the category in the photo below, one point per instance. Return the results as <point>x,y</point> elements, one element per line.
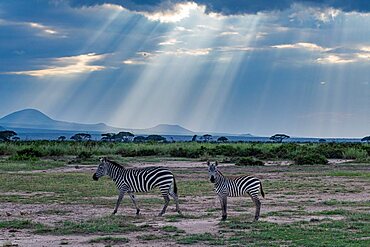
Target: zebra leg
<point>133,199</point>
<point>166,201</point>
<point>257,202</point>
<point>120,197</point>
<point>175,197</point>
<point>223,201</point>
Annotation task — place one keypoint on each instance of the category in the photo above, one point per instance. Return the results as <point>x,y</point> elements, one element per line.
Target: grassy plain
<point>51,196</point>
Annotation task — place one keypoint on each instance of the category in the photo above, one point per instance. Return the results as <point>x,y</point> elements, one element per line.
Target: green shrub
<point>310,159</point>
<point>55,151</point>
<point>330,151</point>
<point>83,155</point>
<point>146,152</point>
<point>249,161</point>
<point>27,154</point>
<point>357,154</point>
<point>284,151</point>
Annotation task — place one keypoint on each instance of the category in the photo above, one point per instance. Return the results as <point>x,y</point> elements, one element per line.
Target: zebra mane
<point>115,163</point>
<point>220,173</point>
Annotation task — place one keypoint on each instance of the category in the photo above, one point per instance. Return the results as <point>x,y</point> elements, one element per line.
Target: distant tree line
<point>123,136</point>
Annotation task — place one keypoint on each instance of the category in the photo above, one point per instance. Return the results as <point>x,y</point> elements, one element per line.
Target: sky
<point>299,67</point>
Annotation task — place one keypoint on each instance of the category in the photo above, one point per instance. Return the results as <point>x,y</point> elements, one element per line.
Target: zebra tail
<point>262,193</point>
<point>174,186</point>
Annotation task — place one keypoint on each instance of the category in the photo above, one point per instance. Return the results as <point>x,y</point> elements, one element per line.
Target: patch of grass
<point>20,224</point>
<point>347,203</point>
<point>204,238</point>
<point>28,165</point>
<point>53,212</point>
<point>110,240</point>
<point>111,224</point>
<point>349,232</point>
<point>150,237</point>
<point>179,217</point>
<point>195,188</point>
<point>172,229</point>
<point>349,174</point>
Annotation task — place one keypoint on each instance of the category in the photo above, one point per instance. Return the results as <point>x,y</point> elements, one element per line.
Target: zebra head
<point>101,170</point>
<point>212,171</point>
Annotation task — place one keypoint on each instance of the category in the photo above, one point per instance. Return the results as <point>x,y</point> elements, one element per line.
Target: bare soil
<point>202,214</point>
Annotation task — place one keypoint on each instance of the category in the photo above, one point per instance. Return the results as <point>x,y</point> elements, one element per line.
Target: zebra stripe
<point>235,187</point>
<point>133,180</point>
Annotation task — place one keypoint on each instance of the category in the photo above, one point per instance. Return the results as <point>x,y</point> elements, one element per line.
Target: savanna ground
<point>51,200</point>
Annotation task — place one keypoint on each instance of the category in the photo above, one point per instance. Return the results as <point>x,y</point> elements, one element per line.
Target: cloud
<point>170,42</point>
<point>67,65</point>
<point>43,29</point>
<point>133,62</point>
<point>187,52</point>
<point>301,45</point>
<point>165,7</point>
<point>229,33</point>
<point>176,13</point>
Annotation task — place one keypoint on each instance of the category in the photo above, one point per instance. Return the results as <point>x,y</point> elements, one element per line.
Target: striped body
<point>133,180</point>
<point>142,180</point>
<point>235,187</point>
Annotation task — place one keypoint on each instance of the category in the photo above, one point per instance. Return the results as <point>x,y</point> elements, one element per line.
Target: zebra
<point>130,180</point>
<point>235,187</point>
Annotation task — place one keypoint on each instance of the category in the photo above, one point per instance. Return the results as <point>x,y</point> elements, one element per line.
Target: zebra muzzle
<point>95,177</point>
<point>212,179</point>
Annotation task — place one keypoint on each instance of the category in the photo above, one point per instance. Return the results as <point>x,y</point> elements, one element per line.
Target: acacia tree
<point>279,137</point>
<point>366,139</point>
<point>156,138</point>
<point>81,137</point>
<point>139,139</point>
<point>6,135</point>
<point>123,136</point>
<point>62,138</point>
<point>222,139</point>
<point>207,137</point>
<point>107,136</point>
<point>194,138</point>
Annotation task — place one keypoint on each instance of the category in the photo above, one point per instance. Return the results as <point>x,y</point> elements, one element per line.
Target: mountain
<point>34,119</point>
<point>165,129</point>
<point>246,135</point>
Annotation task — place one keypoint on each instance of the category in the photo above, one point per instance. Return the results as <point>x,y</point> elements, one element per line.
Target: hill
<point>36,121</point>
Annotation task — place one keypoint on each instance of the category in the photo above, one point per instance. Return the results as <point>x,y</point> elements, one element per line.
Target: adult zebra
<point>132,180</point>
<point>234,187</point>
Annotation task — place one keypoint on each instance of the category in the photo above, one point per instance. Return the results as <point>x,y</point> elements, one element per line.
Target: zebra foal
<point>234,187</point>
<point>133,180</point>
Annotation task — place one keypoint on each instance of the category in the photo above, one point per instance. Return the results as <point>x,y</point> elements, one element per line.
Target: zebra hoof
<point>114,212</point>
<point>224,217</point>
<point>137,211</point>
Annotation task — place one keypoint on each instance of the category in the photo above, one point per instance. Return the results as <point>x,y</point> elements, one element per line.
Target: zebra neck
<point>114,172</point>
<point>219,179</point>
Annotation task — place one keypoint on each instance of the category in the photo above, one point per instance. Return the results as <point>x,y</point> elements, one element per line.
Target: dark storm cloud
<point>230,7</point>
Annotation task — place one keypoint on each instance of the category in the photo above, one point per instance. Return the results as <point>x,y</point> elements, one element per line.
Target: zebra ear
<point>216,163</point>
<point>103,159</point>
<point>208,163</point>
